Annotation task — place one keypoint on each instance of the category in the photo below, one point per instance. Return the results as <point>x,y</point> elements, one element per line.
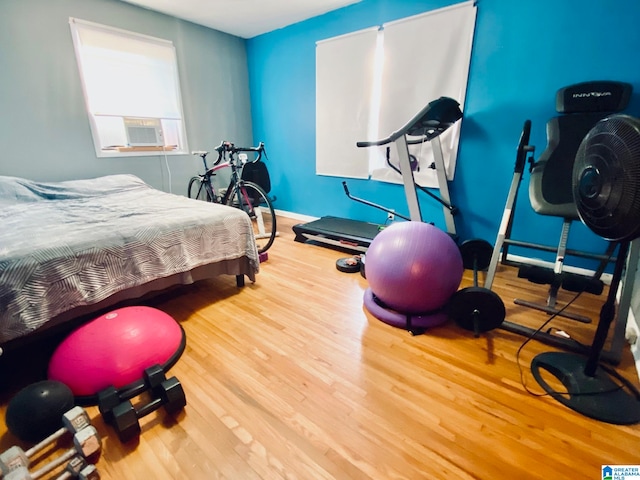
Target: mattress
<point>65,245</point>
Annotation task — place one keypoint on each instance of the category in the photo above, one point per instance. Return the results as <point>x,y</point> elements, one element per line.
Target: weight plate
<point>476,304</point>
<point>478,250</point>
<point>348,264</point>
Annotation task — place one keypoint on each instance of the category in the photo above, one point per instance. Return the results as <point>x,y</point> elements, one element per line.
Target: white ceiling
<point>243,18</point>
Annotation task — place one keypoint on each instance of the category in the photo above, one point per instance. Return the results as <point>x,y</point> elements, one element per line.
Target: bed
<point>71,248</point>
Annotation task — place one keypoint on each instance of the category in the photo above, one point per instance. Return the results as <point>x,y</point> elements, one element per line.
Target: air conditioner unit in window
<point>143,132</point>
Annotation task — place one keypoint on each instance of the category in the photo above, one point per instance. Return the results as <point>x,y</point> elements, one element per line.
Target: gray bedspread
<point>75,243</point>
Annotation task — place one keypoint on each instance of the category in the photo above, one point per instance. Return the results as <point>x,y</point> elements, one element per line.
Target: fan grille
<point>606,178</point>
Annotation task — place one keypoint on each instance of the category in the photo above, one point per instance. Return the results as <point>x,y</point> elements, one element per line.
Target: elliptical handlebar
<point>436,117</point>
<point>524,148</point>
<point>371,204</point>
<point>374,143</point>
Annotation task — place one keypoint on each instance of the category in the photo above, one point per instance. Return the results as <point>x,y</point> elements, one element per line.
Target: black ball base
<point>606,396</point>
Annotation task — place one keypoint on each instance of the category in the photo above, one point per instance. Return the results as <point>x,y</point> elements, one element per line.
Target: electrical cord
<point>166,162</point>
<point>531,337</point>
<point>585,347</point>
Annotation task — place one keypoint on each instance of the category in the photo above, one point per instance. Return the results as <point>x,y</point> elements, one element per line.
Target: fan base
<point>599,397</point>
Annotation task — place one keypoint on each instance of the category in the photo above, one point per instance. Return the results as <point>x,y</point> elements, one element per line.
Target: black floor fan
<point>606,188</point>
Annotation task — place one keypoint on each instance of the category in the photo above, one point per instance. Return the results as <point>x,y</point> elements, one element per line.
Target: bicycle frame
<point>236,184</point>
<point>245,195</point>
<point>206,178</point>
<point>236,161</point>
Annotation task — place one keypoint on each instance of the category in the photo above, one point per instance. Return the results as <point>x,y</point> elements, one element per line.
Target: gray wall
<point>44,129</point>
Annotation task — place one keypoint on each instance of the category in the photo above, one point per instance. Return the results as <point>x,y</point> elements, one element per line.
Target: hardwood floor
<point>290,378</point>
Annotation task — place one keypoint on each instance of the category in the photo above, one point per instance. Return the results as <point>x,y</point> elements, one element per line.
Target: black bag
<point>257,173</point>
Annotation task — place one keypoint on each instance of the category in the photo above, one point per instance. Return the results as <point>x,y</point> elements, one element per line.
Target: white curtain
<point>412,62</point>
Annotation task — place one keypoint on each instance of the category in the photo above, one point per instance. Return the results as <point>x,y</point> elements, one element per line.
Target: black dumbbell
<point>86,443</point>
<point>126,418</point>
<point>74,420</point>
<point>110,397</point>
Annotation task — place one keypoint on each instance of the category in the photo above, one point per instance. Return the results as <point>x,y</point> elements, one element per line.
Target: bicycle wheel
<point>198,190</point>
<point>251,198</point>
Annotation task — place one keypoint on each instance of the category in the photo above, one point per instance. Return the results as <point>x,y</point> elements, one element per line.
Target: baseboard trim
<point>632,334</point>
<point>295,216</point>
<point>606,277</point>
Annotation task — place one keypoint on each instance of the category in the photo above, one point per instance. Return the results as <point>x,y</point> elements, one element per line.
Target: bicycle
<point>247,196</point>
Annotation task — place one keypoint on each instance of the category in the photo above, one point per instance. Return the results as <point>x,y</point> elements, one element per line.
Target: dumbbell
<point>80,469</point>
<point>86,443</point>
<point>110,397</point>
<point>126,419</point>
<point>73,421</point>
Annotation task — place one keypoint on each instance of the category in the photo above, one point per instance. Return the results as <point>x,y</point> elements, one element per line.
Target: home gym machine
<point>606,181</point>
<point>426,126</point>
<point>551,193</point>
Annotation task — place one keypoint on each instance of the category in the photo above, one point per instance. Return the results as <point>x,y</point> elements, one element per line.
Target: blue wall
<point>522,53</point>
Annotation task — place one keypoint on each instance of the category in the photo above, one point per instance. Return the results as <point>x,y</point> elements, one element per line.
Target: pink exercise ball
<point>115,349</point>
<point>413,267</point>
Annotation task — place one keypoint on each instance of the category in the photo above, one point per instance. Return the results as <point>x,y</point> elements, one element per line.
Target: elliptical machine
<point>426,126</point>
<point>474,308</point>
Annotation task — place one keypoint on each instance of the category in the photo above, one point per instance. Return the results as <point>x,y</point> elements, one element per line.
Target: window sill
<point>141,151</point>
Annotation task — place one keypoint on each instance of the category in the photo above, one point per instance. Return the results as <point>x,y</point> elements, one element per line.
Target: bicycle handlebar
<point>226,146</point>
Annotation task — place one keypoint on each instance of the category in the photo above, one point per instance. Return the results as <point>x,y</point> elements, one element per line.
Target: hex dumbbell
<point>110,397</point>
<point>126,418</point>
<point>73,421</point>
<point>80,469</point>
<point>86,443</point>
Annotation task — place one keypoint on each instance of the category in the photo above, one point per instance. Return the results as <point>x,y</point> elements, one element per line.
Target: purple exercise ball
<point>413,267</point>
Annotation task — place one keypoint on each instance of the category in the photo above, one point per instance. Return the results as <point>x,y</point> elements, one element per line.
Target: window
<point>131,89</point>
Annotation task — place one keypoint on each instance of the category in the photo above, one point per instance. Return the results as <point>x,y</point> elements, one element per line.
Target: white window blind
<point>419,59</point>
<point>345,67</point>
<point>426,56</point>
<point>125,74</point>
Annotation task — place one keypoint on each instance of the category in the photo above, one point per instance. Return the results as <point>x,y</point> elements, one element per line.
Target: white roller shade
<point>127,74</point>
<point>345,69</point>
<point>370,83</point>
<point>426,57</point>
